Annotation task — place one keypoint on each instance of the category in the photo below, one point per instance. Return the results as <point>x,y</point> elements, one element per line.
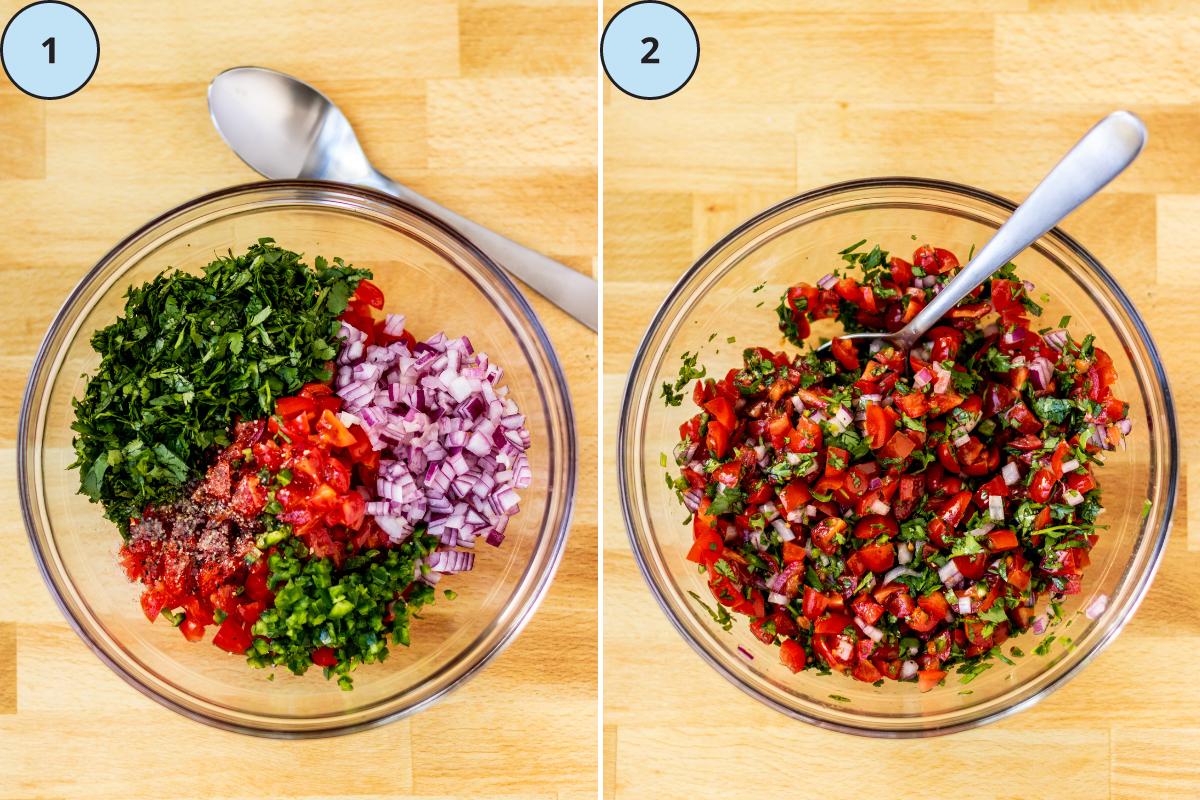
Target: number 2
<point>646,59</point>
<point>49,44</point>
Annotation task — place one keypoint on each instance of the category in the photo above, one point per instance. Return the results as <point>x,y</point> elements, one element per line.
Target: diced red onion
<point>1057,338</point>
<point>841,420</point>
<point>1072,497</point>
<point>1041,372</point>
<point>781,527</point>
<point>393,324</point>
<point>777,599</point>
<point>941,383</point>
<point>396,528</point>
<point>691,500</point>
<point>869,630</point>
<point>949,573</point>
<point>1070,466</point>
<point>797,404</point>
<point>996,508</point>
<point>923,378</point>
<point>1097,607</point>
<point>961,439</point>
<point>982,530</point>
<point>1013,337</point>
<point>745,652</point>
<point>908,670</point>
<point>450,561</point>
<point>879,506</point>
<point>779,582</point>
<point>683,453</point>
<point>1011,473</point>
<point>755,538</point>
<point>904,553</point>
<point>1039,624</point>
<point>828,281</point>
<point>1124,426</point>
<point>896,572</point>
<point>453,443</point>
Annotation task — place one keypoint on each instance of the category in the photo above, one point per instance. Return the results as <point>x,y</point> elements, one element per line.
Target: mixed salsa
<point>288,467</point>
<point>894,515</point>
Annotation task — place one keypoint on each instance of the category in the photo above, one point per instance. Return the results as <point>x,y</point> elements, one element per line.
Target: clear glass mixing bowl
<point>441,282</point>
<point>799,240</point>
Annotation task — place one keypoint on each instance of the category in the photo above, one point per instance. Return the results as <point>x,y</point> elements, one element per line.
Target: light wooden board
<point>488,107</point>
<point>789,96</point>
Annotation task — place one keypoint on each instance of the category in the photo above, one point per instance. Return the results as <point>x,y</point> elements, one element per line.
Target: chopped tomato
<point>794,496</point>
<point>874,525</point>
<point>369,293</point>
<point>880,426</point>
<point>792,655</point>
<point>192,631</point>
<point>717,441</point>
<point>332,432</point>
<point>324,657</point>
<point>232,637</point>
<point>706,548</point>
<point>1003,539</point>
<point>845,352</point>
<point>288,407</point>
<point>928,679</point>
<point>815,603</point>
<point>722,411</point>
<point>878,557</point>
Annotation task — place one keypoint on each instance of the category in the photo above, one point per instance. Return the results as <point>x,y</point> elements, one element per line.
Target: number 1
<point>49,44</point>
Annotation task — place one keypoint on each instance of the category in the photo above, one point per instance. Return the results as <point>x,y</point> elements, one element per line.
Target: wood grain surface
<point>790,96</point>
<point>488,106</point>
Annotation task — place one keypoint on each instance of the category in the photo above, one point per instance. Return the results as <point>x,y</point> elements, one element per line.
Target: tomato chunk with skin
<point>928,679</point>
<point>792,655</point>
<point>232,636</point>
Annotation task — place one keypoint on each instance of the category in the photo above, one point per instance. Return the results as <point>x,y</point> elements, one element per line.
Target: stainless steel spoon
<point>1101,155</point>
<point>284,128</point>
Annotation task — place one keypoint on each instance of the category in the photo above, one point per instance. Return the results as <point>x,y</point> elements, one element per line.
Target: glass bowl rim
<point>556,385</point>
<point>624,457</point>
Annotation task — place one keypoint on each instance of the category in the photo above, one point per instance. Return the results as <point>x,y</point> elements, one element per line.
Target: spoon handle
<point>1102,154</point>
<point>573,292</point>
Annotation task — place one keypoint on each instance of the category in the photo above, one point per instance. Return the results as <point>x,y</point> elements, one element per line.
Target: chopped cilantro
<point>189,356</point>
<point>720,615</point>
<point>729,500</point>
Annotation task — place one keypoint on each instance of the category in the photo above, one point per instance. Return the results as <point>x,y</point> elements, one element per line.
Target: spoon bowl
<point>284,128</point>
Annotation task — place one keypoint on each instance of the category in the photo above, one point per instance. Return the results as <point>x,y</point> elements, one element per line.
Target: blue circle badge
<point>50,50</point>
<point>649,50</point>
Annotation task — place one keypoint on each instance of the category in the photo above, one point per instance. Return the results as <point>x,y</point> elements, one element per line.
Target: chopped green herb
<point>191,354</point>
